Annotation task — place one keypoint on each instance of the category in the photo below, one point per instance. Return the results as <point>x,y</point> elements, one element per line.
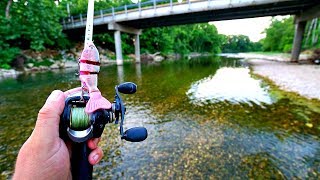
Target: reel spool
<point>78,126</point>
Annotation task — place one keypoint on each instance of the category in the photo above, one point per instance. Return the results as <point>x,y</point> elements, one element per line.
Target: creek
<point>207,118</point>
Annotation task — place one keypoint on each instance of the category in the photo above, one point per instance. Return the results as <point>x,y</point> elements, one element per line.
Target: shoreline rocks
<point>6,73</point>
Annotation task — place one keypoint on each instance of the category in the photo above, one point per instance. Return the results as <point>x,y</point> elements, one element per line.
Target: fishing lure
<point>89,67</point>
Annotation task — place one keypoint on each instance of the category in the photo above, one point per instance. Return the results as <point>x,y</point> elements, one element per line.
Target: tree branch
<point>8,9</point>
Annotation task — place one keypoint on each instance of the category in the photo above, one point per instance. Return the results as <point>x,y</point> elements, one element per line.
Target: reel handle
<point>80,167</point>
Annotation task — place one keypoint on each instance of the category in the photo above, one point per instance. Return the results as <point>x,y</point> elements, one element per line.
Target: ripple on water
<point>234,85</point>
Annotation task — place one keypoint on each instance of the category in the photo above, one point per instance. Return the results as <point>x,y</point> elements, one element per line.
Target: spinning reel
<point>77,126</point>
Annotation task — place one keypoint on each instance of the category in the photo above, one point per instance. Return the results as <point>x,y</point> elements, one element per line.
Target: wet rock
<point>30,65</point>
<point>54,66</point>
<point>43,68</point>
<point>146,57</point>
<point>173,56</point>
<point>34,69</point>
<point>104,59</point>
<point>70,64</point>
<point>8,73</point>
<point>156,57</point>
<point>310,125</point>
<point>132,56</point>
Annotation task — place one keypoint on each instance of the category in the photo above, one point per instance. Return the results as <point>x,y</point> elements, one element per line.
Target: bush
<point>7,55</point>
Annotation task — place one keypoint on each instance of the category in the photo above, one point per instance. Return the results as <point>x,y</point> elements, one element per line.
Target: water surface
<point>206,118</point>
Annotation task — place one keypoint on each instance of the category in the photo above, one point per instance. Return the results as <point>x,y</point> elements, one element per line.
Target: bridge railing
<point>152,4</point>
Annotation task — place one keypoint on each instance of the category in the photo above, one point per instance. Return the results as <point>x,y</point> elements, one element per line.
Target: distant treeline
<point>35,25</point>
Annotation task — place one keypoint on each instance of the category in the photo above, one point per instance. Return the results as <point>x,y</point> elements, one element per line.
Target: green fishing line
<point>79,119</point>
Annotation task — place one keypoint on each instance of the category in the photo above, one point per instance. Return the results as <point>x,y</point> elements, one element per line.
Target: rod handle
<point>80,167</point>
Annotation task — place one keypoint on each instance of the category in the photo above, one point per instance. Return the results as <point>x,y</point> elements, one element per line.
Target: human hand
<point>45,155</point>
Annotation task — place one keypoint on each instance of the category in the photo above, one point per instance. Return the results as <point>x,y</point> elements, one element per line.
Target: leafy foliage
<point>239,43</point>
<point>312,34</point>
<point>279,36</point>
<point>31,24</point>
<point>182,39</point>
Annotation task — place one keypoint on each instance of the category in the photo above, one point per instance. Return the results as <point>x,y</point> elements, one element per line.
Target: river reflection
<point>229,84</point>
<point>207,118</point>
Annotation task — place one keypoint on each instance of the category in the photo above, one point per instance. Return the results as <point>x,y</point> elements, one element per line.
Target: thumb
<point>47,124</point>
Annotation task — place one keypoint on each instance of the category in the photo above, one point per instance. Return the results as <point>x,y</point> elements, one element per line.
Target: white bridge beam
<point>123,28</point>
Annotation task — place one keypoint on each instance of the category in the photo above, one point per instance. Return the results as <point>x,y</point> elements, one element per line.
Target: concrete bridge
<point>157,13</point>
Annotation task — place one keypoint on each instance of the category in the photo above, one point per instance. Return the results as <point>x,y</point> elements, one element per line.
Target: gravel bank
<point>300,78</point>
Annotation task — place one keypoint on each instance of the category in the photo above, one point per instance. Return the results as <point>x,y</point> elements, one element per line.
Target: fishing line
<point>80,120</point>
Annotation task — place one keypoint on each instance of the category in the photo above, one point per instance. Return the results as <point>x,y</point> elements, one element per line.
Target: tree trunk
<point>8,9</point>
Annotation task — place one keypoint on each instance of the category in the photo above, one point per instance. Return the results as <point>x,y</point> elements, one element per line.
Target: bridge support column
<point>297,42</point>
<point>137,47</point>
<point>117,42</point>
<point>300,22</point>
<point>122,28</point>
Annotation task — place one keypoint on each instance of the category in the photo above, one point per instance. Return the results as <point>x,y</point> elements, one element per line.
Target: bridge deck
<point>191,12</point>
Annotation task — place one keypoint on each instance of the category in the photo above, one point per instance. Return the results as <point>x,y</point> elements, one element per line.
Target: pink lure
<point>89,64</point>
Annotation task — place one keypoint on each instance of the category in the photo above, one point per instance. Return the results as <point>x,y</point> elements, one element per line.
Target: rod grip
<point>80,167</point>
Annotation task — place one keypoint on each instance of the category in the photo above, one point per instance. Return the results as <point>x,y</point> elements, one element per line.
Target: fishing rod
<point>86,111</point>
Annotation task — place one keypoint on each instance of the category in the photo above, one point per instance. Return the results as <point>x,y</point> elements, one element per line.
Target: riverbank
<point>32,61</point>
<point>299,78</point>
<point>302,78</point>
<point>283,57</point>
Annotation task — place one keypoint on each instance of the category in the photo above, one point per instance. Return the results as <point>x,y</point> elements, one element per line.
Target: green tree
<point>29,24</point>
<point>204,38</point>
<point>239,43</point>
<point>182,39</point>
<point>157,40</point>
<point>312,34</point>
<point>279,36</point>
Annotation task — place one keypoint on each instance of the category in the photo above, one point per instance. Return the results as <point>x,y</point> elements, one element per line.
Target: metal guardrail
<point>127,8</point>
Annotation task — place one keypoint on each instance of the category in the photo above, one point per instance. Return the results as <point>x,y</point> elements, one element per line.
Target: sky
<point>252,27</point>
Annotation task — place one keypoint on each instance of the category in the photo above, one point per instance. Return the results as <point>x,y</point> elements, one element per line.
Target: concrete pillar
<point>120,74</point>
<point>297,42</point>
<point>137,47</point>
<point>117,42</point>
<point>138,71</point>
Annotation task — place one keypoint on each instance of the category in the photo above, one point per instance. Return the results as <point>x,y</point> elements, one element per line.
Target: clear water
<point>207,118</point>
